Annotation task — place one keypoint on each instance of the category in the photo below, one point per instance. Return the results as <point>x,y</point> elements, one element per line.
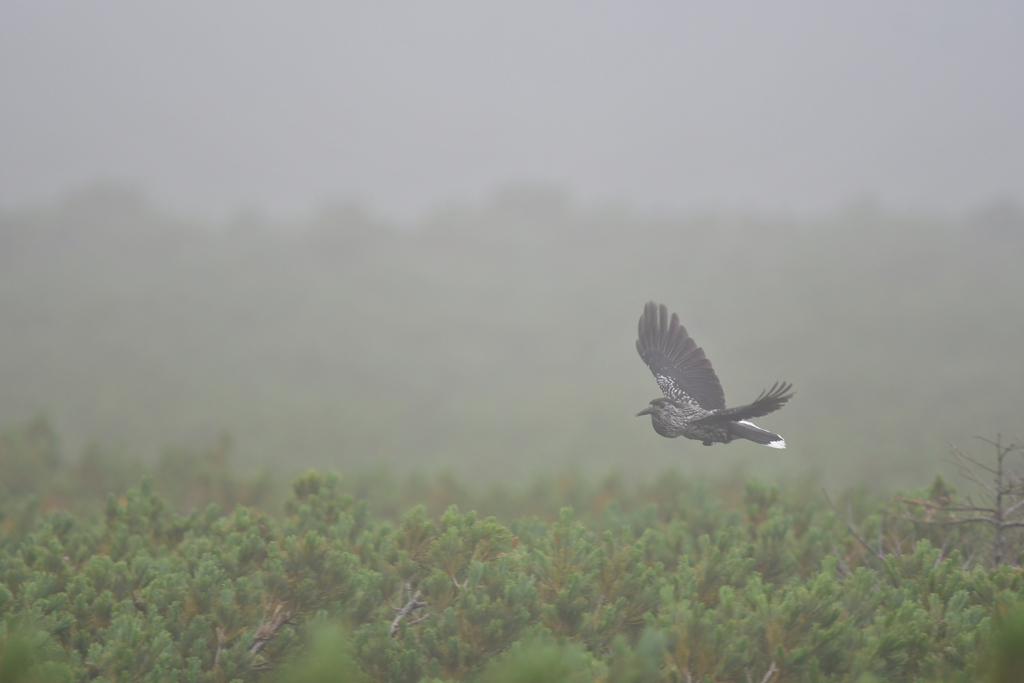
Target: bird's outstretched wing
<point>679,365</point>
<point>768,402</point>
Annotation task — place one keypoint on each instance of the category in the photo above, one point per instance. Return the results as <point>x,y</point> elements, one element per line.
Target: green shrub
<point>682,586</point>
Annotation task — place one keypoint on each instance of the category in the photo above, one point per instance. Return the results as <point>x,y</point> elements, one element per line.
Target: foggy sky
<point>769,106</point>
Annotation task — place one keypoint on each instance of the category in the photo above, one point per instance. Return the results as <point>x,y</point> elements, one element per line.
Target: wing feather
<point>768,402</point>
<point>678,364</point>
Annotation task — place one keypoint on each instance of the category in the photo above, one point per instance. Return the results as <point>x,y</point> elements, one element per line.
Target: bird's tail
<point>747,430</point>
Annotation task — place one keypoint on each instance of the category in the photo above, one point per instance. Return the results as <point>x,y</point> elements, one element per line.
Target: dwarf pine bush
<point>680,587</point>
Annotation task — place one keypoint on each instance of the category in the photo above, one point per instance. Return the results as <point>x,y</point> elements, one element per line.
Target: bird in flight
<point>694,403</point>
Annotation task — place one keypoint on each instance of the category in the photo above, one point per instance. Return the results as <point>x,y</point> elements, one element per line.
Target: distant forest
<point>496,340</point>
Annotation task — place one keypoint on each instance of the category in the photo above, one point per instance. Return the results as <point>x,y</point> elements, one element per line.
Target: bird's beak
<point>646,411</point>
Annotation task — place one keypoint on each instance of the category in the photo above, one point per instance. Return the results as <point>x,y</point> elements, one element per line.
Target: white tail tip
<point>781,443</point>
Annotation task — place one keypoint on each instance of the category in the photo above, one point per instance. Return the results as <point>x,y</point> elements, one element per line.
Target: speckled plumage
<point>694,403</point>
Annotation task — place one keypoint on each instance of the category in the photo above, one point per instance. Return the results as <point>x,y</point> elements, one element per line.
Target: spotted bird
<point>694,403</point>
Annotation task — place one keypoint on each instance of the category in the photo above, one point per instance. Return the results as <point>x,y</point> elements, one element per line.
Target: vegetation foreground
<point>684,585</point>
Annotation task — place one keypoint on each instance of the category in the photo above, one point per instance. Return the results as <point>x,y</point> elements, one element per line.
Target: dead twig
<point>767,676</point>
<point>221,637</point>
<point>853,531</point>
<point>1002,489</point>
<point>942,553</point>
<point>266,631</point>
<point>960,520</point>
<point>413,604</point>
<point>843,567</point>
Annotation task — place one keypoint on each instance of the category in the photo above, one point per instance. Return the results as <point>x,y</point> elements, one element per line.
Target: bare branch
<point>1003,524</point>
<point>998,443</point>
<point>266,631</point>
<point>1013,508</point>
<point>843,567</point>
<point>968,472</point>
<point>413,604</point>
<point>942,553</point>
<point>896,544</point>
<point>853,531</point>
<point>931,505</point>
<point>1011,525</point>
<point>970,558</point>
<point>221,637</point>
<point>949,522</point>
<point>768,675</point>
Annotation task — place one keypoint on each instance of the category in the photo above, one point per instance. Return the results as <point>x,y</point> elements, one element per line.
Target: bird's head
<point>655,407</point>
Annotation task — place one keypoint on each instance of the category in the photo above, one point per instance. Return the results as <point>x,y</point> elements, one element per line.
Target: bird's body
<point>694,403</point>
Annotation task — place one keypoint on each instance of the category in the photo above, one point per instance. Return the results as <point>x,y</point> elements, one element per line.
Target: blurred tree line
<point>496,339</point>
<point>35,477</point>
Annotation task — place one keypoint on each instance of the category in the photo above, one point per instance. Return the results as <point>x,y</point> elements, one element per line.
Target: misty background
<point>421,235</point>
